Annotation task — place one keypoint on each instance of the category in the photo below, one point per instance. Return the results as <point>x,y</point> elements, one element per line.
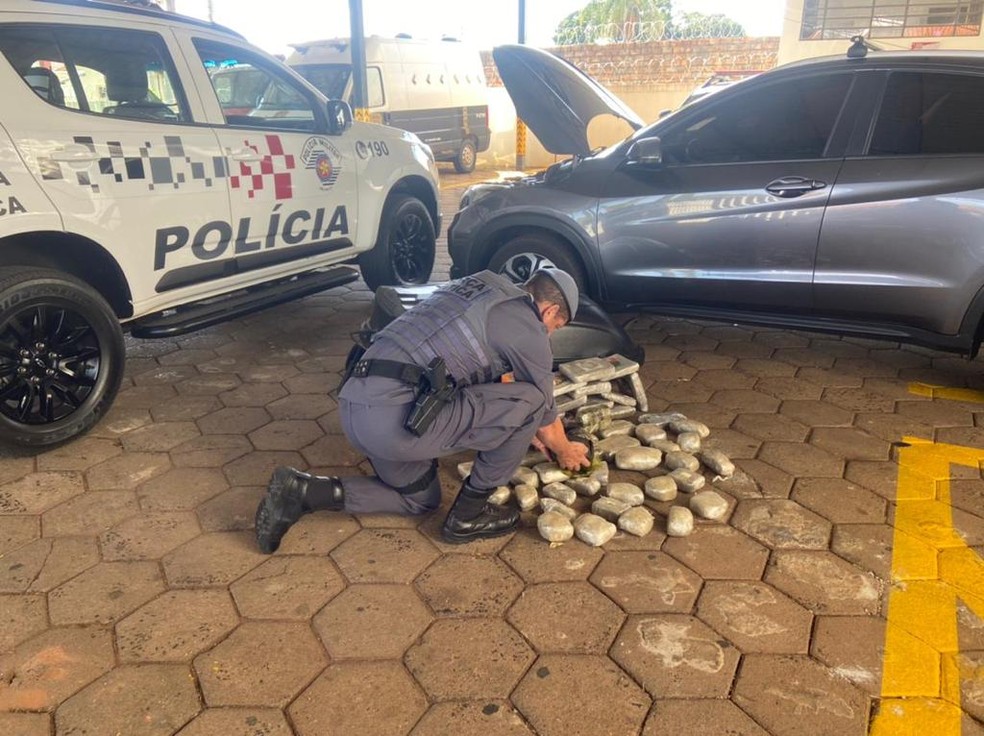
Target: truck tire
<point>464,162</point>
<point>61,356</point>
<point>405,249</point>
<point>519,257</point>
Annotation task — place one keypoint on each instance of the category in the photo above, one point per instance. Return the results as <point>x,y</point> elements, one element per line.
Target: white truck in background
<point>434,89</point>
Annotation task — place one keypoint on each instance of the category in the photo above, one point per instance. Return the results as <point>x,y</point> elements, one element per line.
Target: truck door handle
<point>246,155</point>
<point>793,186</point>
<point>74,155</point>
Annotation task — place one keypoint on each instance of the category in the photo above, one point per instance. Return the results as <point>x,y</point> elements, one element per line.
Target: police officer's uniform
<point>482,326</point>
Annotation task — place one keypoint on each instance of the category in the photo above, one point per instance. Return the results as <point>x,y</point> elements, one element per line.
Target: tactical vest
<point>451,324</point>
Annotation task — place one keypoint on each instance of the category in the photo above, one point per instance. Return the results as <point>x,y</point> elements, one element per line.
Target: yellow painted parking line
<point>932,567</point>
<point>946,392</point>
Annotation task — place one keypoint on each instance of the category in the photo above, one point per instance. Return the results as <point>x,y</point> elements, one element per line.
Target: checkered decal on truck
<point>155,164</point>
<point>274,168</point>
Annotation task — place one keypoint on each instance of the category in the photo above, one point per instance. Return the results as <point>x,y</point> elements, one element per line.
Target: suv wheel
<point>404,251</point>
<point>61,356</point>
<point>520,257</point>
<point>464,162</point>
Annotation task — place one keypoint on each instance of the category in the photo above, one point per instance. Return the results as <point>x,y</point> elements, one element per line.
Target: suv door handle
<point>247,155</point>
<point>793,186</point>
<point>74,154</point>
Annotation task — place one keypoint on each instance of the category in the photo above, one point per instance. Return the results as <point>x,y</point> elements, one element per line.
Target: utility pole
<point>357,43</point>
<point>520,125</point>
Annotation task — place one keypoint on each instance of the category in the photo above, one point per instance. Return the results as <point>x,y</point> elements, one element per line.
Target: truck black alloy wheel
<point>404,252</point>
<point>61,356</point>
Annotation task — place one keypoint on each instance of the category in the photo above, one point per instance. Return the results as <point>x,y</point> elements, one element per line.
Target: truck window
<point>332,79</point>
<point>253,92</point>
<point>107,71</point>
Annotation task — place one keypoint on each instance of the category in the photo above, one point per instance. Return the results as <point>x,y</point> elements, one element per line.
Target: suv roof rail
<point>147,10</point>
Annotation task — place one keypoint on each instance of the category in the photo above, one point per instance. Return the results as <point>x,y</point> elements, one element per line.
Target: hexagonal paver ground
<point>44,671</point>
<point>719,553</point>
<point>566,617</point>
<point>868,546</point>
<point>825,583</point>
<point>462,585</point>
<point>16,531</point>
<point>21,616</point>
<point>486,717</point>
<point>384,556</point>
<point>261,663</point>
<point>181,489</point>
<point>176,626</point>
<point>372,622</point>
<point>149,536</point>
<point>39,492</point>
<point>287,588</point>
<point>212,559</point>
<point>46,563</point>
<point>971,664</point>
<point>782,524</point>
<point>238,722</point>
<point>146,699</point>
<point>91,513</point>
<point>699,718</point>
<point>359,698</point>
<point>460,659</point>
<point>755,617</point>
<point>537,562</point>
<point>104,593</point>
<point>839,501</point>
<point>852,646</point>
<point>127,472</point>
<point>81,454</point>
<point>25,724</point>
<point>780,691</point>
<point>676,656</point>
<point>647,582</point>
<point>318,534</point>
<point>580,695</point>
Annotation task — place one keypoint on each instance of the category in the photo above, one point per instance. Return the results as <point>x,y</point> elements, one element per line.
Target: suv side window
<point>930,114</point>
<point>786,121</point>
<point>274,100</point>
<point>106,71</point>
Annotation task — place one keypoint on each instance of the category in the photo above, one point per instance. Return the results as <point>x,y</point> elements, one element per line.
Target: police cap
<point>566,284</point>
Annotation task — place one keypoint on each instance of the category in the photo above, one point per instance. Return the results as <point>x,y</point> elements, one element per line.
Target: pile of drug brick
<point>605,398</point>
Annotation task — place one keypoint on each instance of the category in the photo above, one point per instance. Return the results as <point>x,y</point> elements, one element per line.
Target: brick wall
<point>687,63</point>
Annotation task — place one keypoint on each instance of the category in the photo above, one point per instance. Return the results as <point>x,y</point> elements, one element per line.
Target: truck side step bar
<point>198,315</point>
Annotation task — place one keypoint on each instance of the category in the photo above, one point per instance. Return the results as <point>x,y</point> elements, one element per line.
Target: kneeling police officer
<point>428,387</point>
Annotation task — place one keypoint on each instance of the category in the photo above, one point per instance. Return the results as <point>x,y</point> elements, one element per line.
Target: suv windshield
<point>330,79</point>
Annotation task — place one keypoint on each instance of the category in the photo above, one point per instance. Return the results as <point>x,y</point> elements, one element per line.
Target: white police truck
<point>132,197</point>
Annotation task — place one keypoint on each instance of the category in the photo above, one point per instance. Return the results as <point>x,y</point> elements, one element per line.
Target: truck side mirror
<point>645,152</point>
<point>339,117</point>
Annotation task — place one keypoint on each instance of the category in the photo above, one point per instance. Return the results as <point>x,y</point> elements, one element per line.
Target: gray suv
<point>838,194</point>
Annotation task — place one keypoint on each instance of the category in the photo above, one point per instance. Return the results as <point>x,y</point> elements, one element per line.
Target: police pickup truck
<point>134,196</point>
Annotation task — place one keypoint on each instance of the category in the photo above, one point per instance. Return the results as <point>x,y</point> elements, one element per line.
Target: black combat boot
<point>291,494</point>
<point>472,517</point>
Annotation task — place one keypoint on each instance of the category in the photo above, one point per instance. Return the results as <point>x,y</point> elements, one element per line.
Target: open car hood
<point>555,98</point>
